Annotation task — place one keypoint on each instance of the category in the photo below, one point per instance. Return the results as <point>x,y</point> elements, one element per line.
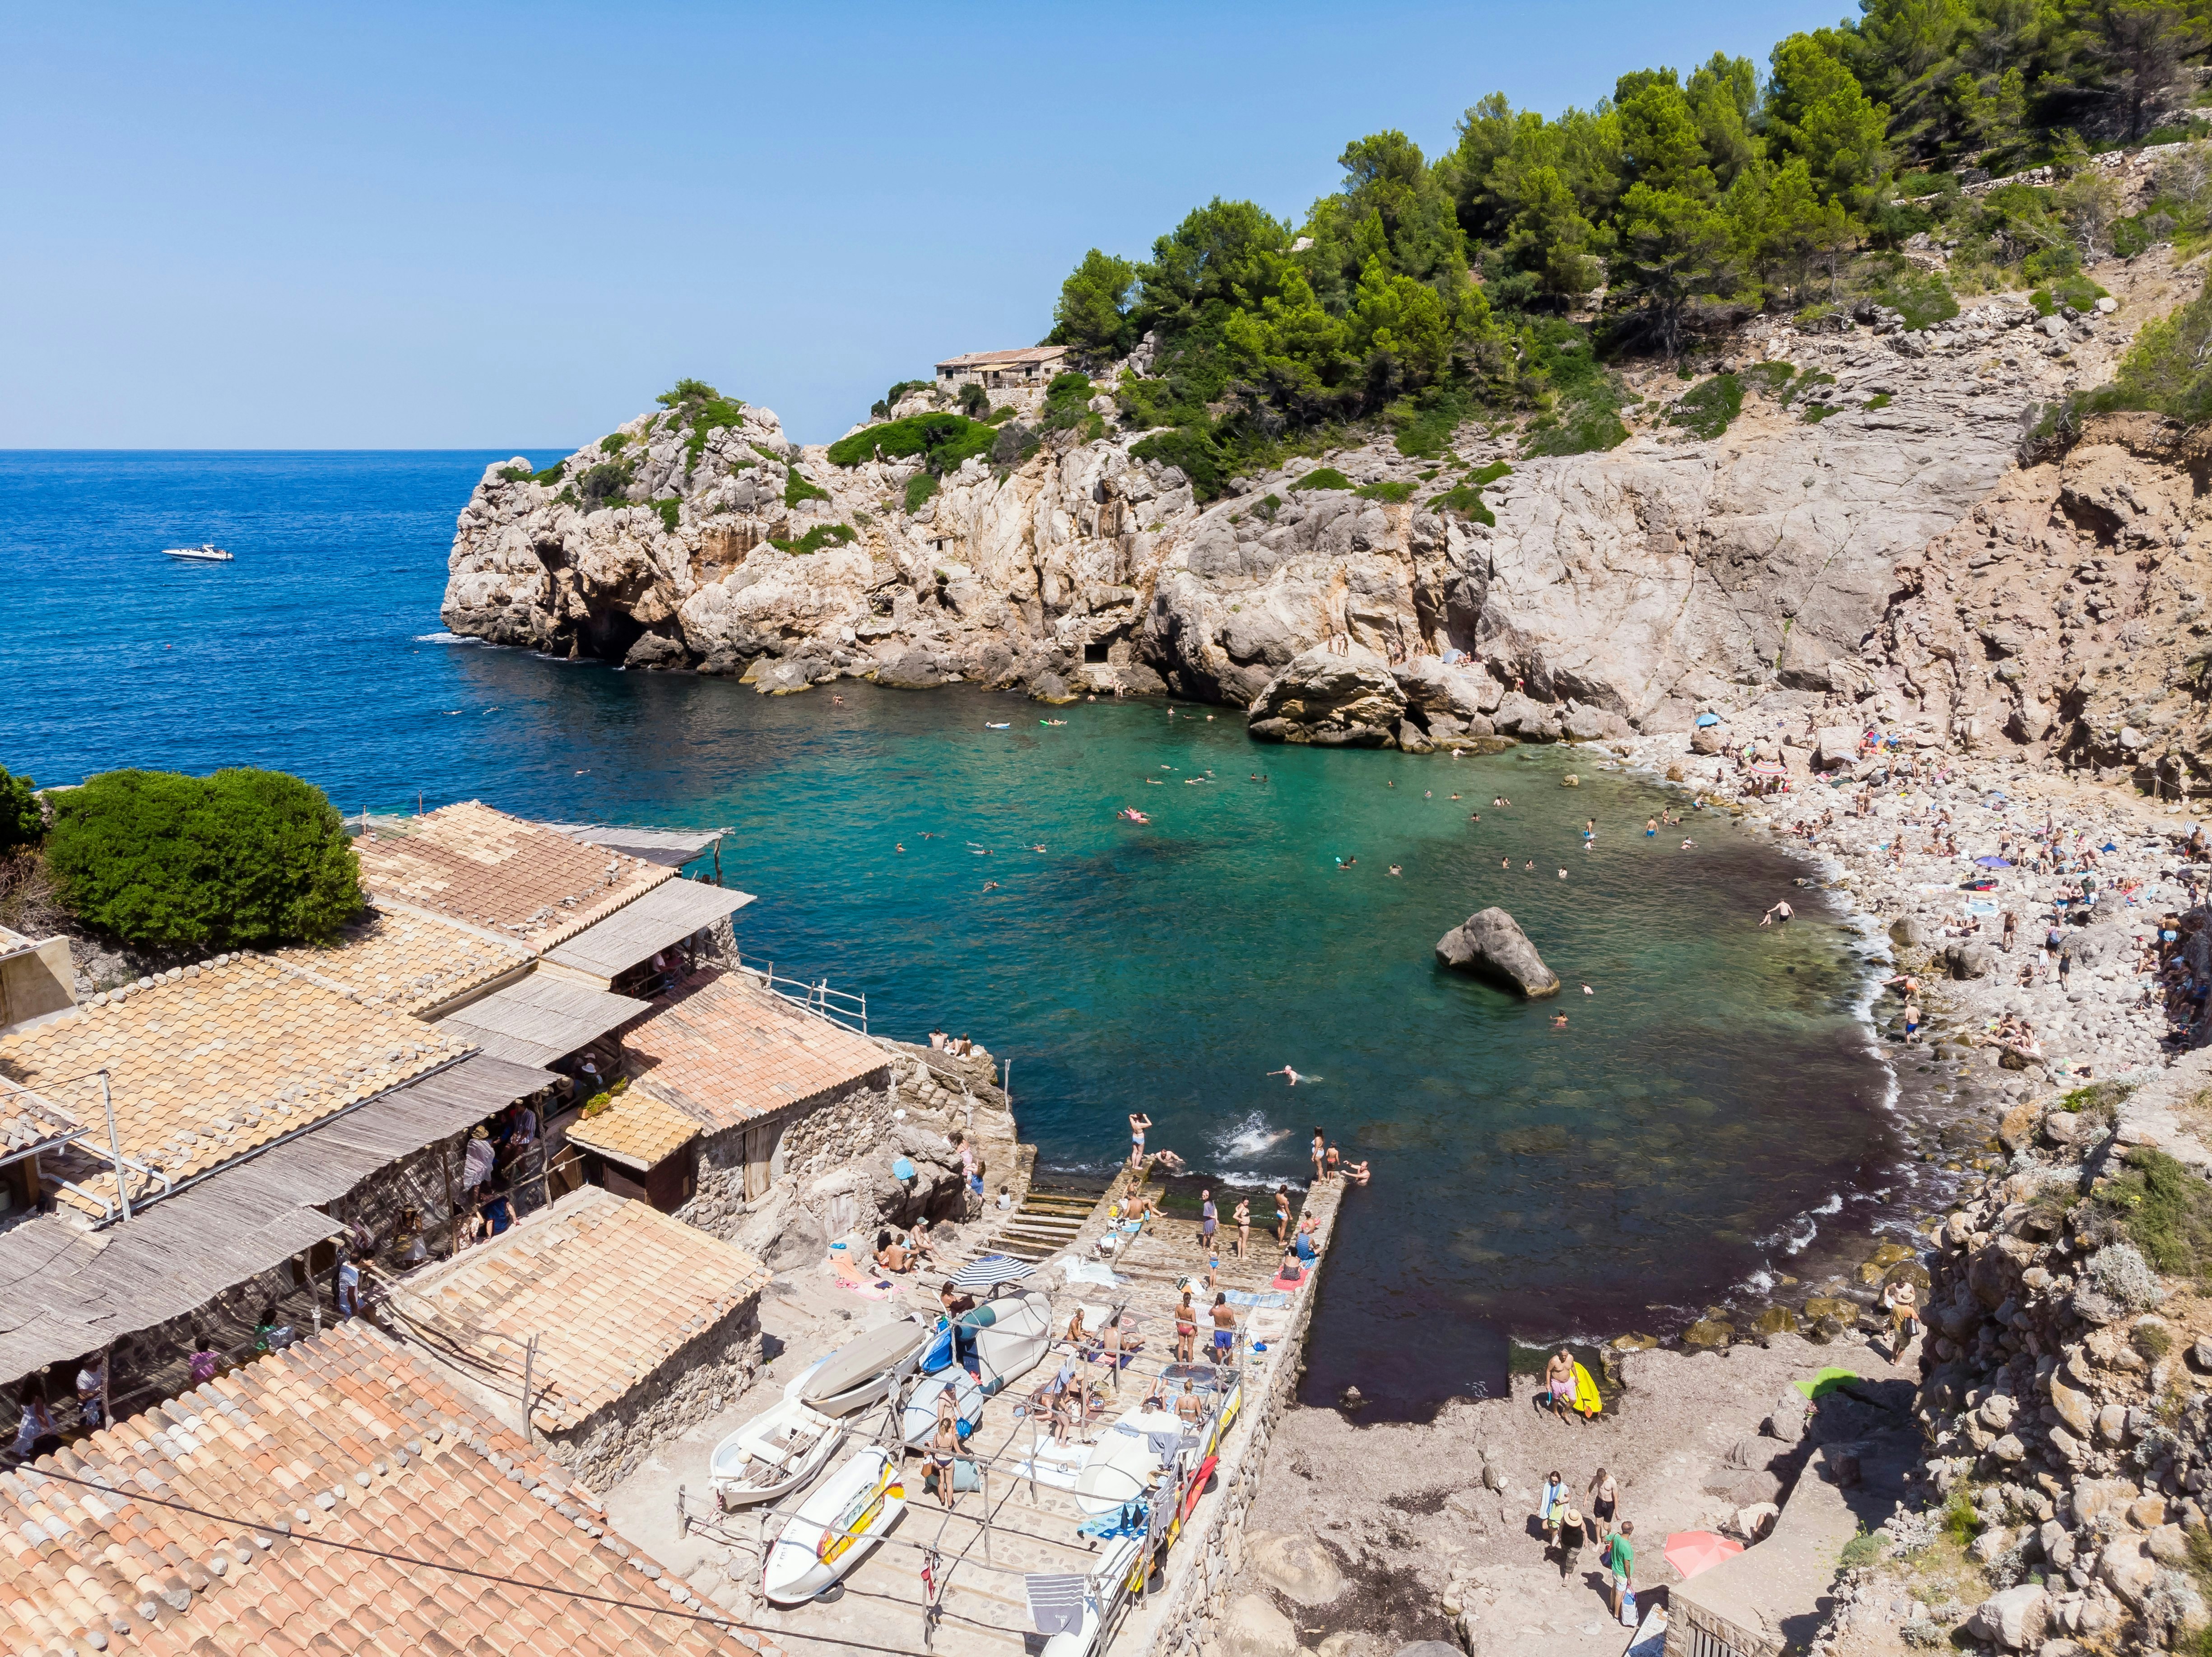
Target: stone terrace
<point>345,1438</point>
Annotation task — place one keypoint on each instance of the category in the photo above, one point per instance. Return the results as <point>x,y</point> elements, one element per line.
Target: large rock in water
<point>1350,700</point>
<point>1492,944</point>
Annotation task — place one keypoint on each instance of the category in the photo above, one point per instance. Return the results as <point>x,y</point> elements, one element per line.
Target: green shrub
<point>606,480</point>
<point>21,822</point>
<point>1879,400</point>
<point>669,510</point>
<point>1706,408</point>
<point>1804,383</point>
<point>1816,412</point>
<point>918,488</point>
<point>242,857</point>
<point>1068,402</point>
<point>796,488</point>
<point>614,442</point>
<point>2166,1210</point>
<point>942,441</point>
<point>1585,400</point>
<point>1393,493</point>
<point>1015,444</point>
<point>551,475</point>
<point>1424,429</point>
<point>1772,378</point>
<point>513,474</point>
<point>974,402</point>
<point>1322,478</point>
<point>1489,474</point>
<point>1000,415</point>
<point>1270,504</point>
<point>1864,1549</point>
<point>1191,450</point>
<point>698,406</point>
<point>816,538</point>
<point>897,394</point>
<point>1961,1518</point>
<point>1923,298</point>
<point>1466,499</point>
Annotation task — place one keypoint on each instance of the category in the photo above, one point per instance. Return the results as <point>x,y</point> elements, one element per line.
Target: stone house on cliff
<point>1030,367</point>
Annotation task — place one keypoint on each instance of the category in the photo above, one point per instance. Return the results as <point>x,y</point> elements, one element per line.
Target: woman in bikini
<point>1243,1226</point>
<point>1186,1319</point>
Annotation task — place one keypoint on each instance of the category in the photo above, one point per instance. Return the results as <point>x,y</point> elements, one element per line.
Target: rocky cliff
<point>1862,525</point>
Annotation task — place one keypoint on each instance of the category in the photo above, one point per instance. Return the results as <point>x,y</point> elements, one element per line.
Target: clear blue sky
<point>477,226</point>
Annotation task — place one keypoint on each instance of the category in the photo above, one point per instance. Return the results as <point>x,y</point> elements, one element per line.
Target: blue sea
<point>1712,1115</point>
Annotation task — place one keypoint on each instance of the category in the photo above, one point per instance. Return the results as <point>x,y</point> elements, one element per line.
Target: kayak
<point>1587,1399</point>
<point>863,1370</point>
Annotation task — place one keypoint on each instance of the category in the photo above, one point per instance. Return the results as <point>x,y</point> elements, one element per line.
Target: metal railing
<point>839,1006</point>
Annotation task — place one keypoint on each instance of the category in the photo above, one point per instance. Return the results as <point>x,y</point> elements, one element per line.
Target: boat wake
<point>445,639</point>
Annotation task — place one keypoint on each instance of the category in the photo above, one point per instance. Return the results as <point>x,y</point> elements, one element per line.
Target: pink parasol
<point>1692,1552</point>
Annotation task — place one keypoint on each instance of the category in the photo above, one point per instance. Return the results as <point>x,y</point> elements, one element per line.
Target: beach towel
<point>1265,1297</point>
<point>1288,1285</point>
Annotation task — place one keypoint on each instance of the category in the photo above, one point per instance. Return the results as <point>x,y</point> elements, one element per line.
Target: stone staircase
<point>1051,1213</point>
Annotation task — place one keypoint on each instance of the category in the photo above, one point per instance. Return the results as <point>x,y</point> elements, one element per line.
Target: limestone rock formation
<point>1492,944</point>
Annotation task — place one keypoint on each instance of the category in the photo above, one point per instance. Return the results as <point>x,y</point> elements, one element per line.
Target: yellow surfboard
<point>1586,1394</point>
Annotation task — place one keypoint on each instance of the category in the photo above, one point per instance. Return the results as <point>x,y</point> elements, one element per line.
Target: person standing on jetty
<point>1243,1227</point>
<point>1320,1155</point>
<point>1137,1124</point>
<point>1282,1214</point>
<point>1209,1221</point>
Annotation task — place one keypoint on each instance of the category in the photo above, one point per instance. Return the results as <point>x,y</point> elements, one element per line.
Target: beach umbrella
<point>989,1270</point>
<point>1692,1552</point>
<point>1768,768</point>
<point>1991,862</point>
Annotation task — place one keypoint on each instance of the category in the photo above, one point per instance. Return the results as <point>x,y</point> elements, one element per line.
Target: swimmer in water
<point>1394,869</point>
<point>1295,1078</point>
<point>1528,867</point>
<point>1562,874</point>
<point>900,847</point>
<point>1688,844</point>
<point>1560,1022</point>
<point>1504,862</point>
<point>990,885</point>
<point>1650,827</point>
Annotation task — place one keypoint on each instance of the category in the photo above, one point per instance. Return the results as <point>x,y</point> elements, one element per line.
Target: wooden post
<point>108,1383</point>
<point>529,1371</point>
<point>452,1210</point>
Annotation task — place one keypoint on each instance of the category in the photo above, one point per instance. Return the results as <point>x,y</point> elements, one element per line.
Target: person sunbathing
<point>890,1255</point>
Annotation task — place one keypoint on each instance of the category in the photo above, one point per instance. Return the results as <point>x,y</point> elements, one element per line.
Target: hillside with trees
<point>1503,276</point>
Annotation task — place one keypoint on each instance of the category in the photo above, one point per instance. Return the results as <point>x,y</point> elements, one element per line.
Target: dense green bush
<point>1191,450</point>
<point>242,857</point>
<point>1465,499</point>
<point>614,442</point>
<point>918,488</point>
<point>891,399</point>
<point>700,410</point>
<point>1922,297</point>
<point>2166,1210</point>
<point>942,441</point>
<point>1015,443</point>
<point>1000,415</point>
<point>1322,478</point>
<point>1396,493</point>
<point>670,510</point>
<point>21,822</point>
<point>974,402</point>
<point>796,488</point>
<point>605,481</point>
<point>1706,409</point>
<point>1066,402</point>
<point>816,538</point>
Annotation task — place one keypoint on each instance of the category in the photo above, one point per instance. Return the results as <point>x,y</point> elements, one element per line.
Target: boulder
<point>1838,746</point>
<point>1330,701</point>
<point>2015,1618</point>
<point>1775,1320</point>
<point>1517,714</point>
<point>1908,932</point>
<point>2077,1409</point>
<point>2020,1126</point>
<point>1707,740</point>
<point>1709,1334</point>
<point>1051,688</point>
<point>1969,961</point>
<point>1492,944</point>
<point>909,670</point>
<point>1594,725</point>
<point>782,678</point>
<point>1298,1567</point>
<point>1253,1627</point>
<point>1787,1423</point>
<point>2128,1570</point>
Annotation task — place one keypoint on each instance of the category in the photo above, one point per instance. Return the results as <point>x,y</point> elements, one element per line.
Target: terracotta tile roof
<point>723,1050</point>
<point>610,1288</point>
<point>349,1438</point>
<point>221,1057</point>
<point>636,1129</point>
<point>27,1120</point>
<point>479,866</point>
<point>1002,359</point>
<point>407,957</point>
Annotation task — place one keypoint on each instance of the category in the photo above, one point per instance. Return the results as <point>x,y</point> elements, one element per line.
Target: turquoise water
<point>1703,1112</point>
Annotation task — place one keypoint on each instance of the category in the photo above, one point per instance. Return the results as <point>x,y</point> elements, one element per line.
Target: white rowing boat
<point>1011,1330</point>
<point>206,552</point>
<point>852,1512</point>
<point>772,1455</point>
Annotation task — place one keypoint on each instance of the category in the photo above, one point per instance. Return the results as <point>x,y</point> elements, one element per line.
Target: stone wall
<point>695,1382</point>
<point>1183,1619</point>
